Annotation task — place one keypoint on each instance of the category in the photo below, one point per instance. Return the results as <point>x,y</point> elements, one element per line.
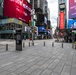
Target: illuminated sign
<point>72,9</point>
<point>61,26</point>
<point>19,9</point>
<point>62,6</point>
<point>71,24</point>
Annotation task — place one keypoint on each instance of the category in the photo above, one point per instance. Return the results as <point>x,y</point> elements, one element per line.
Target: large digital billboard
<point>71,24</point>
<point>72,9</point>
<point>19,9</point>
<point>61,25</point>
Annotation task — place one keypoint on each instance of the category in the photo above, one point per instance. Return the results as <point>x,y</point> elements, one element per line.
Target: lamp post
<point>32,14</point>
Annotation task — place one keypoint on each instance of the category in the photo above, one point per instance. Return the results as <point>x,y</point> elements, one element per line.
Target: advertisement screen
<point>61,26</point>
<point>19,9</point>
<point>41,29</point>
<point>72,24</point>
<point>72,9</point>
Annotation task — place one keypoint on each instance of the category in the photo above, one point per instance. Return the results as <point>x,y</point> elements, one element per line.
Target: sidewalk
<point>39,60</point>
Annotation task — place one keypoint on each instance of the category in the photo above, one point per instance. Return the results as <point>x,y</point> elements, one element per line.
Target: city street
<point>39,59</point>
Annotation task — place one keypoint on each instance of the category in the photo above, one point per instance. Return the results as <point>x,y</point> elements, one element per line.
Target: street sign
<point>32,23</point>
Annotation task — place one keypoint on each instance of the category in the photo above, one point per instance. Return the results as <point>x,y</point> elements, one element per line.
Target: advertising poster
<point>71,24</point>
<point>72,9</point>
<point>41,29</point>
<point>19,9</point>
<point>61,26</point>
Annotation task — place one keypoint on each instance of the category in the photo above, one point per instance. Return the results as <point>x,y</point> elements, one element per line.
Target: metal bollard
<point>52,44</point>
<point>62,45</point>
<point>29,44</point>
<point>23,44</point>
<point>44,43</point>
<point>72,45</point>
<point>75,46</point>
<point>33,43</point>
<point>6,47</point>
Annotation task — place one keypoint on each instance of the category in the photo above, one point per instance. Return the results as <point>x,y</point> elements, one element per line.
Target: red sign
<point>19,9</point>
<point>61,26</point>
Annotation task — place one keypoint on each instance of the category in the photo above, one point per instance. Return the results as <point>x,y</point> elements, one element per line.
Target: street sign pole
<point>32,20</point>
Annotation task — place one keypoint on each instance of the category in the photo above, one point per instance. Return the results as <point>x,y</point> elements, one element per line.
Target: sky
<point>53,6</point>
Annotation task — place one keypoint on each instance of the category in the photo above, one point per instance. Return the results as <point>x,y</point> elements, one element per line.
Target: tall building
<point>62,13</point>
<point>43,16</point>
<point>1,8</point>
<point>18,16</point>
<point>48,14</point>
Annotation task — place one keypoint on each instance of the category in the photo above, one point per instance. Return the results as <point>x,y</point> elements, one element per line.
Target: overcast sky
<point>53,6</point>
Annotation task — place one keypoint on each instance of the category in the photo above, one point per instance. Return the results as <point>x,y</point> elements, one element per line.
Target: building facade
<point>1,8</point>
<point>11,20</point>
<point>41,18</point>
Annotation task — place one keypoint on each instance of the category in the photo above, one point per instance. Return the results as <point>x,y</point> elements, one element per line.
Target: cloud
<point>53,6</point>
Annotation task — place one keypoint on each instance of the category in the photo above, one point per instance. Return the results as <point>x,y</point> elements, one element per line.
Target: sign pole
<point>32,20</point>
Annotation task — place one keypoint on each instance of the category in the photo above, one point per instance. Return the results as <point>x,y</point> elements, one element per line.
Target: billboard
<point>19,9</point>
<point>41,29</point>
<point>72,9</point>
<point>71,24</point>
<point>61,26</point>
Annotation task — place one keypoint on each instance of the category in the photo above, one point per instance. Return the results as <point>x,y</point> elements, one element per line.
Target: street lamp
<point>32,17</point>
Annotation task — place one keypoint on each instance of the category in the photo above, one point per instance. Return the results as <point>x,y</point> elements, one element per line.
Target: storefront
<point>8,28</point>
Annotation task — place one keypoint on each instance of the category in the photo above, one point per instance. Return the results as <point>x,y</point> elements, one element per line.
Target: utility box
<point>19,39</point>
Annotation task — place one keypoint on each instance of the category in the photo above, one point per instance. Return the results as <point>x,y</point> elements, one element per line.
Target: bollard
<point>29,44</point>
<point>6,47</point>
<point>23,44</point>
<point>75,46</point>
<point>72,45</point>
<point>62,45</point>
<point>44,43</point>
<point>33,43</point>
<point>52,44</point>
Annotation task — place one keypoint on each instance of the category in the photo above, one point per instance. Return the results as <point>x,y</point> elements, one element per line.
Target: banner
<point>19,9</point>
<point>61,26</point>
<point>72,9</point>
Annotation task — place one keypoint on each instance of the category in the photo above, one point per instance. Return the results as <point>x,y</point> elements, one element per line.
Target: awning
<point>10,20</point>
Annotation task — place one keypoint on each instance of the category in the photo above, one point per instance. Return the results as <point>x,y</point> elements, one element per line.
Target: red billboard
<point>61,26</point>
<point>19,9</point>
